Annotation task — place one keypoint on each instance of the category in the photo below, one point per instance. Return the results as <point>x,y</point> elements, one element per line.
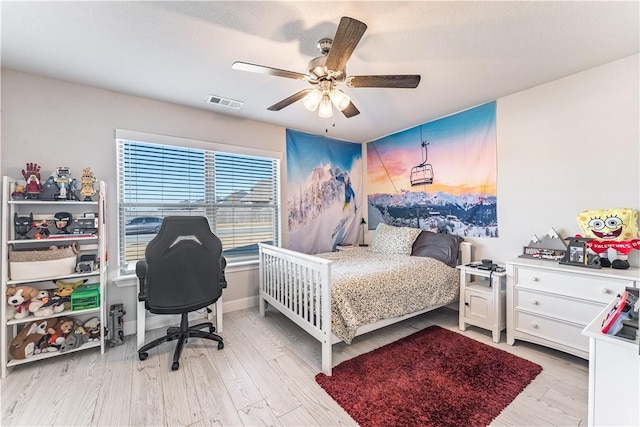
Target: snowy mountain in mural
<point>313,210</point>
<point>324,192</point>
<point>471,215</point>
<point>438,175</point>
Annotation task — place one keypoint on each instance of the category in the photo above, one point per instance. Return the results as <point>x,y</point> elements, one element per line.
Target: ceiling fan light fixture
<point>340,99</point>
<point>325,110</point>
<point>312,100</point>
<point>329,70</point>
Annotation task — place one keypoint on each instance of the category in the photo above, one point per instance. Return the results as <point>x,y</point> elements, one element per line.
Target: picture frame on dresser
<point>578,254</point>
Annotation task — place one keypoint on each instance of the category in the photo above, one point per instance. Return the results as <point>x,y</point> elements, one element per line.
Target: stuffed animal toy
<point>57,333</point>
<point>18,299</point>
<point>73,341</point>
<point>27,347</point>
<point>63,327</point>
<point>611,229</point>
<point>92,326</point>
<point>46,304</point>
<point>27,342</point>
<point>64,291</point>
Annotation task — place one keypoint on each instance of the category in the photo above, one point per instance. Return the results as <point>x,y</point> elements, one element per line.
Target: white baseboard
<point>239,304</point>
<point>160,321</point>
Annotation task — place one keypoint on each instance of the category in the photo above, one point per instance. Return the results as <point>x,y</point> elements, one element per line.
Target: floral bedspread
<point>367,287</point>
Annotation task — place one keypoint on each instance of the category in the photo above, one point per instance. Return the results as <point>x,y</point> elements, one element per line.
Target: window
<point>237,193</point>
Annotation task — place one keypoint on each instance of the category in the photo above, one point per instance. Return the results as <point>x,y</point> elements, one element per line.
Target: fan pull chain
<point>326,128</point>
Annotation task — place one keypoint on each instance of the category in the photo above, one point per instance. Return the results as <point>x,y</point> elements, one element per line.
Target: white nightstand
<point>483,299</point>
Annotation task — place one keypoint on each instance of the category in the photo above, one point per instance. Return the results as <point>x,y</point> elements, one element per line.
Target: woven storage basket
<point>42,263</point>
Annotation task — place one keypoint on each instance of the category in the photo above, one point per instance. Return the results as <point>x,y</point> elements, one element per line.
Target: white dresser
<point>550,304</point>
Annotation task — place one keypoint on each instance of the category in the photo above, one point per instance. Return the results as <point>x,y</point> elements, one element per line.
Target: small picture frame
<point>577,254</point>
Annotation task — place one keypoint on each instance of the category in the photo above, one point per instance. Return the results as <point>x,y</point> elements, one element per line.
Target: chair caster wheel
<point>143,356</point>
<point>175,366</point>
<point>220,345</point>
<point>212,329</point>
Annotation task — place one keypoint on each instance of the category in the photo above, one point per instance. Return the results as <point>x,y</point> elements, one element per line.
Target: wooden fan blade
<point>350,111</point>
<point>261,69</point>
<point>408,81</point>
<point>347,37</point>
<point>290,100</point>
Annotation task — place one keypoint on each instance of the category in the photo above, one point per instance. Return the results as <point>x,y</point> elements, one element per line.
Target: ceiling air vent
<point>225,102</point>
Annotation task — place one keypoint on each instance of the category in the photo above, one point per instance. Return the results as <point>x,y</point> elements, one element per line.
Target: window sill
<point>129,280</point>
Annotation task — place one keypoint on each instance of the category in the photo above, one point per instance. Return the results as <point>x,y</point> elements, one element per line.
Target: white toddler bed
<point>339,295</point>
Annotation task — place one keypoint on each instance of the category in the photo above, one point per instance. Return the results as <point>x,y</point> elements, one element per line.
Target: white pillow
<point>391,240</point>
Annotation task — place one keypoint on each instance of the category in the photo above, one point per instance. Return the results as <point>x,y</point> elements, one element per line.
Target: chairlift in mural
<point>423,173</point>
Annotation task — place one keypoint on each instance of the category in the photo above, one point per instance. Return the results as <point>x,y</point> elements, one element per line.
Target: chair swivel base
<point>182,334</point>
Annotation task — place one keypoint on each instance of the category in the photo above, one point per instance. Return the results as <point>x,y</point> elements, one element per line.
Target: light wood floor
<point>263,376</point>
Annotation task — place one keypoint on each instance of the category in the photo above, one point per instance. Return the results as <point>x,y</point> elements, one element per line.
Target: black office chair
<point>183,271</point>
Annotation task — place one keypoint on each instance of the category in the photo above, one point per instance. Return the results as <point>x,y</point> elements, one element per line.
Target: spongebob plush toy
<point>611,228</point>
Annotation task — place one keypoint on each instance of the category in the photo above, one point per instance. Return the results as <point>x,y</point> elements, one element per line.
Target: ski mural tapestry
<point>324,184</point>
<point>440,175</point>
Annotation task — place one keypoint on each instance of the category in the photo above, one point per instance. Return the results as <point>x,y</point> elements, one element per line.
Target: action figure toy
<point>22,225</point>
<point>88,179</point>
<point>66,185</point>
<point>63,220</point>
<point>33,188</point>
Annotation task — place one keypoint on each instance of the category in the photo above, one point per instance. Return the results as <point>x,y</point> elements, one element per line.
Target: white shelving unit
<point>88,244</point>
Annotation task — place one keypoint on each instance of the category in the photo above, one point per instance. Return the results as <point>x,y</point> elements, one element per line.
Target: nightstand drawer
<point>584,286</point>
<point>553,330</point>
<point>566,308</point>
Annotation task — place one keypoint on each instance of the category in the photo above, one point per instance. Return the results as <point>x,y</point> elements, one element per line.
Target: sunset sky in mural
<point>462,151</point>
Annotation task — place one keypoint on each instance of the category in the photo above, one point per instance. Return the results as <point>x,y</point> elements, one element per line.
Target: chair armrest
<point>141,272</point>
<point>223,265</point>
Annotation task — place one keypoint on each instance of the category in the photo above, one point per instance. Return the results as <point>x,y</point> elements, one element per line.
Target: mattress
<point>368,286</point>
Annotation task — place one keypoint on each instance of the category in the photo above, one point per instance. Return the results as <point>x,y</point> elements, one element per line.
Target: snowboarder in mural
<point>344,178</point>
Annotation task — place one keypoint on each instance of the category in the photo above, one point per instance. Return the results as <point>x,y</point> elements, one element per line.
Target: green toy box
<point>85,297</point>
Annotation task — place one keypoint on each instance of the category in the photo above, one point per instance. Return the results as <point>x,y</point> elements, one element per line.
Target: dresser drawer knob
<point>605,290</point>
<point>534,325</point>
<point>534,279</point>
<point>535,302</point>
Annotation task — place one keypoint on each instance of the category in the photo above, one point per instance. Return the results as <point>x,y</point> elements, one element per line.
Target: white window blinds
<point>238,194</point>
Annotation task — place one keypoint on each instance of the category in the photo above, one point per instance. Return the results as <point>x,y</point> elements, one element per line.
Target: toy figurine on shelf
<point>41,228</point>
<point>50,190</point>
<point>32,188</point>
<point>62,221</point>
<point>22,225</point>
<point>88,180</point>
<point>18,191</point>
<point>66,185</point>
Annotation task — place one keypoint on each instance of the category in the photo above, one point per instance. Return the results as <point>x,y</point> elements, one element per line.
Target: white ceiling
<point>468,53</point>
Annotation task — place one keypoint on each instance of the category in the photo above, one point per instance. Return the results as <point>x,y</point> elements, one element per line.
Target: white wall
<point>54,123</point>
<point>565,146</point>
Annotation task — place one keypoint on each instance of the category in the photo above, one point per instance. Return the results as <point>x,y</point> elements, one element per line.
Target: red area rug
<point>434,377</point>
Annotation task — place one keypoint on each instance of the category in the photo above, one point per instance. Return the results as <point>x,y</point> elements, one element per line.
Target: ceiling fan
<point>328,71</point>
